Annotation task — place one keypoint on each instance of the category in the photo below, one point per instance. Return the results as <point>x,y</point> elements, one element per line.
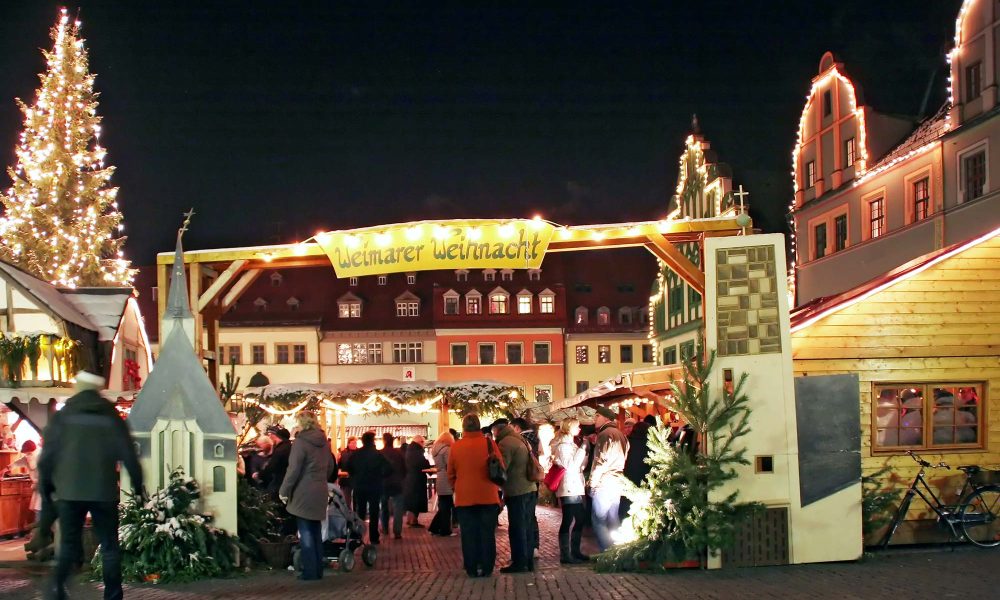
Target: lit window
<point>357,353</point>
<point>546,303</point>
<point>603,316</point>
<point>921,198</point>
<point>850,152</point>
<point>498,304</point>
<point>349,310</point>
<point>543,393</point>
<point>581,316</point>
<point>582,355</point>
<point>927,415</point>
<point>524,305</point>
<point>473,304</point>
<point>604,354</point>
<point>876,217</point>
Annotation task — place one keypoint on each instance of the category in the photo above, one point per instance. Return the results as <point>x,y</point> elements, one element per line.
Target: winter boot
<point>575,547</point>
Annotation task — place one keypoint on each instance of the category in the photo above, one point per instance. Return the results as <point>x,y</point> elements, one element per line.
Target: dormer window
<point>499,302</point>
<point>353,282</point>
<point>625,315</point>
<point>411,278</point>
<point>276,279</point>
<point>603,316</point>
<point>407,305</point>
<point>293,303</point>
<point>382,279</point>
<point>534,274</point>
<point>260,305</point>
<point>546,302</point>
<point>489,274</point>
<point>450,302</point>
<point>524,302</point>
<point>581,316</point>
<point>461,275</point>
<point>507,275</point>
<point>349,306</point>
<point>473,303</point>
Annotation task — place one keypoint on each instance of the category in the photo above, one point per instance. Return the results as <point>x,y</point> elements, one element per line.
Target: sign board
<point>438,245</point>
<point>409,375</point>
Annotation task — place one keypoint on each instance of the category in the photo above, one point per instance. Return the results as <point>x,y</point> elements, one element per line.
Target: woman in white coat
<point>571,492</point>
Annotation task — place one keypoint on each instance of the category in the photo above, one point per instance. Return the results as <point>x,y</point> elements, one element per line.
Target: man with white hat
<point>607,476</point>
<point>84,442</point>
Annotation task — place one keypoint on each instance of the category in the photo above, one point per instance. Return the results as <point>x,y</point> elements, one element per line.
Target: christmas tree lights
<point>60,215</point>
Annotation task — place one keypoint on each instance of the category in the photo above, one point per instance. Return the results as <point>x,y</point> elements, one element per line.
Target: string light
<point>59,213</point>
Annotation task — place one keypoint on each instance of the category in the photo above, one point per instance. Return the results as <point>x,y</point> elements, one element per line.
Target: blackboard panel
<point>828,419</point>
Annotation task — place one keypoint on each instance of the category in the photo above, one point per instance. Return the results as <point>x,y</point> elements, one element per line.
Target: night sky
<point>278,119</point>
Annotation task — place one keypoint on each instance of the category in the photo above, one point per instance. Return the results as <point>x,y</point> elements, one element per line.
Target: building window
<point>382,279</point>
<point>625,315</point>
<point>218,479</point>
<point>581,315</point>
<point>489,275</point>
<point>604,354</point>
<point>408,309</point>
<point>534,274</point>
<point>353,282</point>
<point>487,354</point>
<point>687,350</point>
<point>675,300</point>
<point>670,355</point>
<point>408,352</point>
<point>582,386</point>
<point>260,305</point>
<point>498,304</point>
<point>827,103</point>
<point>927,415</point>
<point>299,354</point>
<point>582,355</point>
<point>876,217</point>
<point>349,310</point>
<point>451,305</point>
<point>231,355</point>
<point>542,353</point>
<point>257,354</point>
<point>819,241</point>
<point>973,81</point>
<point>603,316</point>
<point>459,354</point>
<point>515,353</point>
<point>810,174</point>
<point>276,279</point>
<point>507,275</point>
<point>921,198</point>
<point>840,233</point>
<point>974,175</point>
<point>473,305</point>
<point>461,275</point>
<point>411,278</point>
<point>625,353</point>
<point>355,354</point>
<point>524,304</point>
<point>543,393</point>
<point>850,152</point>
<point>281,354</point>
<point>647,353</point>
<point>546,304</point>
<point>375,353</point>
<point>293,303</point>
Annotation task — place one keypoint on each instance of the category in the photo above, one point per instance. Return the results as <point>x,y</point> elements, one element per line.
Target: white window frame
<point>547,300</point>
<point>353,282</point>
<point>524,303</point>
<point>451,352</point>
<point>383,279</point>
<point>489,274</point>
<point>479,352</point>
<point>452,297</point>
<point>507,275</point>
<point>535,275</point>
<point>534,352</point>
<point>461,275</point>
<point>411,278</point>
<point>504,304</point>
<point>473,295</point>
<point>542,387</point>
<point>506,352</point>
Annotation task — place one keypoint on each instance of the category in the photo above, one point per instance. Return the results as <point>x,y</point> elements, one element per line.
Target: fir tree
<point>60,215</point>
<point>672,518</point>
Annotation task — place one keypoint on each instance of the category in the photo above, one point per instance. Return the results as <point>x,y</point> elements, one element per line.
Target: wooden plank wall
<point>941,325</point>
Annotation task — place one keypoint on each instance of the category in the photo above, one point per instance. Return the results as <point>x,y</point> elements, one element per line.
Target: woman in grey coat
<point>304,490</point>
<point>440,451</point>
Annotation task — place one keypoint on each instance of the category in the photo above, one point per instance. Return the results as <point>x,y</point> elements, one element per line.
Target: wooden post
<point>442,416</point>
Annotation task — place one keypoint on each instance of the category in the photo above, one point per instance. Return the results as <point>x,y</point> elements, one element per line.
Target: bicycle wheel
<point>897,519</point>
<point>980,516</point>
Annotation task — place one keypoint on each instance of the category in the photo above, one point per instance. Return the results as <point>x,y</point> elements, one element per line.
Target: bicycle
<point>977,509</point>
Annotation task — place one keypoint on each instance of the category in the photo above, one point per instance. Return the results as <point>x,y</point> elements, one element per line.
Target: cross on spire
<point>187,221</point>
<point>740,196</point>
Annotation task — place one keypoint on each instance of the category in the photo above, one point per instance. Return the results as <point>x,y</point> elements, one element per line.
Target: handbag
<point>534,471</point>
<point>495,470</point>
<point>553,479</point>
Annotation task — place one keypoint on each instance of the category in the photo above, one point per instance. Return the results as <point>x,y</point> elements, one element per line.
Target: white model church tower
<point>177,419</point>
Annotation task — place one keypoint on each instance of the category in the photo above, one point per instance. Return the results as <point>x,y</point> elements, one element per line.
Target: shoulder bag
<point>553,479</point>
<point>534,471</point>
<point>494,467</point>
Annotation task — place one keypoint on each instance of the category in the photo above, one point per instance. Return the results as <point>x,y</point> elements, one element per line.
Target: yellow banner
<point>434,245</point>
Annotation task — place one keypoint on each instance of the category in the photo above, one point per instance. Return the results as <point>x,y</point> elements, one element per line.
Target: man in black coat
<point>367,468</point>
<point>273,472</point>
<point>84,442</point>
<point>392,490</point>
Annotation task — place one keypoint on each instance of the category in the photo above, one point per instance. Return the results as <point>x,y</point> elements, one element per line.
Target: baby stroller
<point>343,532</point>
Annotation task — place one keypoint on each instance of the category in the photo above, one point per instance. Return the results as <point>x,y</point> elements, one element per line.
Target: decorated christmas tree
<point>672,517</point>
<point>60,215</point>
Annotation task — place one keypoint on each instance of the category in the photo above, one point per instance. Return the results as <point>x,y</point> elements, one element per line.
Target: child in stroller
<point>343,532</point>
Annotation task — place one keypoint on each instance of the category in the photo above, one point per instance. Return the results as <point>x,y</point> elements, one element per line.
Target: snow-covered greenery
<point>164,539</point>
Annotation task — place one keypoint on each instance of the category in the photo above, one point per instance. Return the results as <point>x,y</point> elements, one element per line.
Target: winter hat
<point>279,431</point>
<point>606,412</point>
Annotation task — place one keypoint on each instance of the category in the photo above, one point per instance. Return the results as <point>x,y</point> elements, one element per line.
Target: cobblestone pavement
<point>420,566</point>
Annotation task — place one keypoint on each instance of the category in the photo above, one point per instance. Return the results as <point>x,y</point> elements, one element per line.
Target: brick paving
<point>421,566</point>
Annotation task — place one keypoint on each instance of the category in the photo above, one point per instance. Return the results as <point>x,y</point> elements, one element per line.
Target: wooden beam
<point>162,283</point>
<point>238,288</point>
<point>220,282</point>
<point>677,262</point>
<point>194,287</point>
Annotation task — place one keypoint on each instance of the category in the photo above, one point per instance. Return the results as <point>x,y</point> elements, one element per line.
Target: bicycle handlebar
<point>924,463</point>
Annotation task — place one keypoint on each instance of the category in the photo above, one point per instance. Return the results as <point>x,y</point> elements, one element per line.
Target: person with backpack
<point>520,495</point>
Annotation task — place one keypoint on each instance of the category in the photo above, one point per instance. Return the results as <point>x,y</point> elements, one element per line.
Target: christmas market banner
<point>438,245</point>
